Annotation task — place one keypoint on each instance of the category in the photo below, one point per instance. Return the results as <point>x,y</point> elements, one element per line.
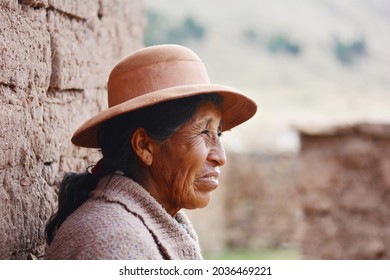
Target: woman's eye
<point>207,132</point>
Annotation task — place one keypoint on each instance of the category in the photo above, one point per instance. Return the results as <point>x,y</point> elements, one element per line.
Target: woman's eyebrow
<point>206,120</point>
<point>210,119</point>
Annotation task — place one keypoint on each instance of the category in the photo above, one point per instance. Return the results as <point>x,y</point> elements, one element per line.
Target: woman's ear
<point>143,146</point>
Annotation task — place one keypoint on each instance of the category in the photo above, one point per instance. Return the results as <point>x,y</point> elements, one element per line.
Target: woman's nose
<point>217,154</point>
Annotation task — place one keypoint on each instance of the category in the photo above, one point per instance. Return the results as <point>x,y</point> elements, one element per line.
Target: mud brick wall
<point>344,191</point>
<point>55,57</point>
<point>260,205</point>
<point>255,205</point>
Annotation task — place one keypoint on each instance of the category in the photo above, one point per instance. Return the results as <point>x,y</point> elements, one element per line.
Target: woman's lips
<point>212,176</point>
<point>209,182</point>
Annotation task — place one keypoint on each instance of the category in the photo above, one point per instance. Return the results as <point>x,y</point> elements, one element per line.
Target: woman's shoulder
<point>103,230</point>
<point>111,217</point>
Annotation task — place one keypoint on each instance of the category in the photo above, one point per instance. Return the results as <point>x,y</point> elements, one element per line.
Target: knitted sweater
<point>121,220</point>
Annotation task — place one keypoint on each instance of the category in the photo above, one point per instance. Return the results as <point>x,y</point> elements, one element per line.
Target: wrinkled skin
<point>184,169</point>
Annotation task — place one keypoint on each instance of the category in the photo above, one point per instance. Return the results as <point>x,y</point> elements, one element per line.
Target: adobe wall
<point>255,205</point>
<point>260,202</point>
<point>344,191</point>
<point>55,56</point>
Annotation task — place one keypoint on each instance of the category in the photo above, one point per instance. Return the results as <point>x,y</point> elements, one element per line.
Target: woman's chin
<point>202,200</point>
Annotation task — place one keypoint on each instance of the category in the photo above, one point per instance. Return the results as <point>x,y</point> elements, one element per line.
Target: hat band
<point>153,77</point>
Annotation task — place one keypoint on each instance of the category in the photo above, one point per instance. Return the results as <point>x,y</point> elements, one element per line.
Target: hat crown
<point>152,69</point>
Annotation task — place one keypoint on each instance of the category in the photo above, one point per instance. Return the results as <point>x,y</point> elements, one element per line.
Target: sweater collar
<point>175,237</point>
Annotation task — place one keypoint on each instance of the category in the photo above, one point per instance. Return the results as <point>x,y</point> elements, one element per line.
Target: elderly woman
<point>161,152</point>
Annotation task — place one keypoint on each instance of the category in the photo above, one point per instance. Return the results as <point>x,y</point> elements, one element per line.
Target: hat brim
<point>237,108</point>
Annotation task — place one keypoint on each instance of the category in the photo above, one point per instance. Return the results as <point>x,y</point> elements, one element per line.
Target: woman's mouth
<point>209,182</point>
<point>212,177</point>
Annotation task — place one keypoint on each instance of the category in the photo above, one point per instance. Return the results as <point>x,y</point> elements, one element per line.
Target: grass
<point>254,254</point>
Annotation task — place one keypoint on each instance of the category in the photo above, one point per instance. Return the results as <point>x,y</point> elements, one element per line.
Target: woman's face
<point>185,167</point>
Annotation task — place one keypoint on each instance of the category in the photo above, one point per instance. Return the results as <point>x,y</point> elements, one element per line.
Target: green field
<point>258,254</point>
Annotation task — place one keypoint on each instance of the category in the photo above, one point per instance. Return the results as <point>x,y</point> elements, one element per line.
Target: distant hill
<point>303,61</point>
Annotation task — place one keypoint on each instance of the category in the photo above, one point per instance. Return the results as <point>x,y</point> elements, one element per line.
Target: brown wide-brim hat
<point>156,74</point>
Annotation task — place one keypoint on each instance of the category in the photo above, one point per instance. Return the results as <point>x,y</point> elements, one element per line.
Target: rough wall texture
<point>55,56</point>
<point>260,202</point>
<point>344,191</point>
<point>255,205</point>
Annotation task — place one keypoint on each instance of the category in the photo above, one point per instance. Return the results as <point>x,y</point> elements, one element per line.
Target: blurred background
<point>314,67</point>
<point>310,60</point>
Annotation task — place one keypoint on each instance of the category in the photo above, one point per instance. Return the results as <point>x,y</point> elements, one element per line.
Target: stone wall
<point>55,57</point>
<point>344,191</point>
